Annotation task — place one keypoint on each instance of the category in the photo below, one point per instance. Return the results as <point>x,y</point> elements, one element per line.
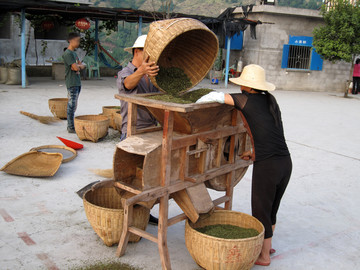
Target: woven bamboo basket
<point>110,111</point>
<point>214,253</point>
<point>118,120</point>
<point>58,107</point>
<point>91,127</point>
<point>68,153</point>
<point>103,210</point>
<point>34,164</point>
<point>184,43</point>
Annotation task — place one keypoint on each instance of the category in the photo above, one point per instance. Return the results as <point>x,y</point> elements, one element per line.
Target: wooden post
<point>132,117</point>
<point>231,175</point>
<point>124,239</point>
<point>165,181</point>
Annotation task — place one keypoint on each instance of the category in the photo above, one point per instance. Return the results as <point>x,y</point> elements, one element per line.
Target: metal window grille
<point>299,57</point>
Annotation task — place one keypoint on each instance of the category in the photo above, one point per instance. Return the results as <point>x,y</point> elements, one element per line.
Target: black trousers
<point>270,179</point>
<point>356,85</point>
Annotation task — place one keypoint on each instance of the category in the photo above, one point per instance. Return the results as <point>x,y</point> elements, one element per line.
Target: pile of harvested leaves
<point>186,98</point>
<point>226,231</point>
<point>173,80</point>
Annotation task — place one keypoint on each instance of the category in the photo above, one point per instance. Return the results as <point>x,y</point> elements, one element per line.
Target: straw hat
<point>139,43</point>
<point>253,76</point>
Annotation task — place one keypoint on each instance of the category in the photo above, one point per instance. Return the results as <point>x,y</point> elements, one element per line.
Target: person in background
<point>72,77</point>
<point>356,77</point>
<point>134,79</point>
<point>272,161</point>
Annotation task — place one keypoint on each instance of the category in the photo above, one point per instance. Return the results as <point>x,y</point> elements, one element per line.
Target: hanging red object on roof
<point>82,24</point>
<point>47,25</point>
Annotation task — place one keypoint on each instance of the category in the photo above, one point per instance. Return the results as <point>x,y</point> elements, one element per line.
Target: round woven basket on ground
<point>184,43</point>
<point>110,111</point>
<point>226,254</point>
<point>118,120</point>
<point>58,107</point>
<point>91,127</point>
<point>105,214</point>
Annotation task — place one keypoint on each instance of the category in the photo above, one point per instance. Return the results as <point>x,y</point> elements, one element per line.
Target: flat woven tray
<point>67,152</point>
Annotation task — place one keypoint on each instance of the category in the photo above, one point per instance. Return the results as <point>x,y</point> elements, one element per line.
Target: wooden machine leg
<point>124,239</point>
<point>230,177</point>
<point>162,233</point>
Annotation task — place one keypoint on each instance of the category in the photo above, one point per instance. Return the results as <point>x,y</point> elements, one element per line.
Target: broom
<point>103,173</point>
<point>41,119</point>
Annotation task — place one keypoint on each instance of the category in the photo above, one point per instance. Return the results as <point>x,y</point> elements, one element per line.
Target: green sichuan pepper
<point>186,98</point>
<point>173,80</point>
<point>226,231</point>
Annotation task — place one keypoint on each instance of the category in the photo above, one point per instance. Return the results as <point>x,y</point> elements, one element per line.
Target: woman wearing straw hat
<point>272,162</point>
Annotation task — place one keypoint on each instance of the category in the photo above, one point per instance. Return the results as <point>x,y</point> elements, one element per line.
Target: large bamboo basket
<point>34,164</point>
<point>58,107</point>
<point>91,127</point>
<point>184,43</point>
<point>118,120</point>
<point>110,112</point>
<point>214,253</point>
<point>103,210</point>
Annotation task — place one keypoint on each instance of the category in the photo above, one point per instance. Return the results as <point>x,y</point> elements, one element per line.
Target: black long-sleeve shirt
<point>269,139</point>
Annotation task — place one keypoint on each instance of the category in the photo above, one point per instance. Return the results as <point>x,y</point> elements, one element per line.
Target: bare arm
<point>229,100</point>
<point>80,65</point>
<point>146,68</point>
<point>75,67</point>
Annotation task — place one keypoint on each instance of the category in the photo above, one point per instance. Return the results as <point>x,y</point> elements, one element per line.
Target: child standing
<point>72,77</point>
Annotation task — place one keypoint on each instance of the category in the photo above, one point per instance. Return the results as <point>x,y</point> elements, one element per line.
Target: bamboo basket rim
<point>101,116</point>
<point>189,224</point>
<point>58,99</point>
<point>73,151</point>
<point>101,207</point>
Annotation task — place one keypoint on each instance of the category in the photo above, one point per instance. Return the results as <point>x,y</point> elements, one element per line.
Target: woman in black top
<point>272,162</point>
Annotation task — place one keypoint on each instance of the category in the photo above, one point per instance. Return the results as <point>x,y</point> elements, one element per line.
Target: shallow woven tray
<point>67,152</point>
<point>34,164</point>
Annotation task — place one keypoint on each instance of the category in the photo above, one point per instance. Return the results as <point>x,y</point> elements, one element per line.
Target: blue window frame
<point>236,41</point>
<point>300,54</point>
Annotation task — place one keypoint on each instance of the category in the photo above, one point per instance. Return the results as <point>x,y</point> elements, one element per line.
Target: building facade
<point>284,48</point>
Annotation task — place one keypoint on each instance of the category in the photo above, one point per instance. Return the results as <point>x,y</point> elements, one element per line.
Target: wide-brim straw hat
<point>253,76</point>
<point>139,43</point>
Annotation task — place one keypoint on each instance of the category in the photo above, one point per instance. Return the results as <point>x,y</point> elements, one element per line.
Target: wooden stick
<point>124,239</point>
<point>143,233</point>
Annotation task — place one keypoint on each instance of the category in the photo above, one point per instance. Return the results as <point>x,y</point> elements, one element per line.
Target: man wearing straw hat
<point>134,79</point>
<point>272,161</point>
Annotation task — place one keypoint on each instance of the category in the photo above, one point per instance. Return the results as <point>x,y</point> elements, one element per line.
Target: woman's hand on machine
<point>246,155</point>
<point>212,97</point>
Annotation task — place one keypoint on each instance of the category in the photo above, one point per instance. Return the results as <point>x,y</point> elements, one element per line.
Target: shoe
<point>272,251</point>
<point>153,220</point>
<point>71,130</point>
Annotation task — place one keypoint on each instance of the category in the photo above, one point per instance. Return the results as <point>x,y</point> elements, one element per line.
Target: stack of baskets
<point>110,112</point>
<point>104,211</point>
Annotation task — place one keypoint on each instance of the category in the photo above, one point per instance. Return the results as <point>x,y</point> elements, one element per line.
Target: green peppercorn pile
<point>228,231</point>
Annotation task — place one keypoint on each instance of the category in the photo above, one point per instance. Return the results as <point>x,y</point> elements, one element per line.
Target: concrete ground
<point>43,223</point>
